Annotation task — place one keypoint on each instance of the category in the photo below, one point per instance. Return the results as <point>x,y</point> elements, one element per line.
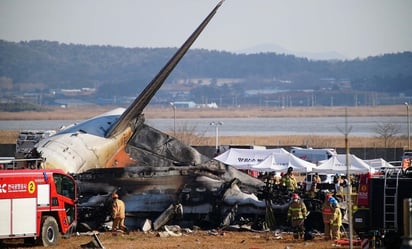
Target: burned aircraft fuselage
<point>170,172</point>
<point>207,193</point>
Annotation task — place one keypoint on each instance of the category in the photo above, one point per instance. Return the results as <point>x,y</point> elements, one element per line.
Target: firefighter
<point>289,181</point>
<point>296,214</point>
<point>336,220</point>
<point>327,216</point>
<point>313,191</point>
<point>118,214</point>
<point>269,180</point>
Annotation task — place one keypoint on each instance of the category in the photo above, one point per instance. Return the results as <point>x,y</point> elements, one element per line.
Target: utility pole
<point>216,124</point>
<point>346,132</point>
<point>348,176</point>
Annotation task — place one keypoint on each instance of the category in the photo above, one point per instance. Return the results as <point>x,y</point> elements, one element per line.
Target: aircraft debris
<point>147,226</point>
<point>171,211</point>
<point>95,243</point>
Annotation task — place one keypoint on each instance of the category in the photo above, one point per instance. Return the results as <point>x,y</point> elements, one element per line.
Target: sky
<point>351,28</point>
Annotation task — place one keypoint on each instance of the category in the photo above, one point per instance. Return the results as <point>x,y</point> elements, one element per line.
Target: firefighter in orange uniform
<point>118,214</point>
<point>327,216</point>
<point>336,220</point>
<point>296,214</point>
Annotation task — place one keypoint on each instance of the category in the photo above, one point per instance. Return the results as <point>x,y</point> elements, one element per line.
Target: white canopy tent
<point>337,164</point>
<point>281,162</point>
<point>378,164</point>
<point>245,158</point>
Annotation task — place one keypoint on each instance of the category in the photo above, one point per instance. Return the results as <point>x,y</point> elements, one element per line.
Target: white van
<point>313,155</point>
<point>326,181</point>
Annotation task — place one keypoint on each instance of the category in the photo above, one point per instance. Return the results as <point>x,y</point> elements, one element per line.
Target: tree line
<point>126,71</point>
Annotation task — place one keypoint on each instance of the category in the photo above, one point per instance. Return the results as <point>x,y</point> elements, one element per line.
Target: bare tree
<point>387,132</point>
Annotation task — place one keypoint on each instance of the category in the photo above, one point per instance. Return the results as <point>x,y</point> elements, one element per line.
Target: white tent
<point>245,158</point>
<point>337,164</point>
<point>378,163</point>
<point>281,162</point>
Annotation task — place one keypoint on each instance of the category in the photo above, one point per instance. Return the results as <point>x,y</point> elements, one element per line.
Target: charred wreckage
<point>209,195</point>
<point>207,192</point>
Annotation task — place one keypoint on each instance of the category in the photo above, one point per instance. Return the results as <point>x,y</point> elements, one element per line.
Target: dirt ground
<point>196,239</point>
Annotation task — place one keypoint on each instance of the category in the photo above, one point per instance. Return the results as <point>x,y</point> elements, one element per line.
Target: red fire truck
<point>37,205</point>
<point>380,204</point>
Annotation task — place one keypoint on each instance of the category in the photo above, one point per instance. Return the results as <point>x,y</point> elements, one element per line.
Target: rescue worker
<point>118,214</point>
<point>277,178</point>
<point>269,180</point>
<point>343,184</point>
<point>336,220</point>
<point>296,214</point>
<point>289,181</point>
<point>313,192</point>
<point>327,214</point>
<point>316,178</point>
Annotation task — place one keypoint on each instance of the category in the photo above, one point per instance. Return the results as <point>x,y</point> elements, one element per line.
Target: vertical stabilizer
<point>136,108</point>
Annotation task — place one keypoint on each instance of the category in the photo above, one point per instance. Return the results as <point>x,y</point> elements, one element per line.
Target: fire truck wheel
<point>49,231</point>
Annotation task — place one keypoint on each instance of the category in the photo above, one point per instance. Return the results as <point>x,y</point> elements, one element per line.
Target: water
<point>359,126</point>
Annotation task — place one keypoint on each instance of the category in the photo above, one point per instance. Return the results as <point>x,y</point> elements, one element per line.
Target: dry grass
<point>252,112</point>
<point>8,137</point>
<point>301,140</point>
<point>56,114</point>
<point>309,140</point>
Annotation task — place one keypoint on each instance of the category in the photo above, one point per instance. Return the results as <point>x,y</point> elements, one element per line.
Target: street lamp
<point>174,118</point>
<point>409,125</point>
<point>216,124</point>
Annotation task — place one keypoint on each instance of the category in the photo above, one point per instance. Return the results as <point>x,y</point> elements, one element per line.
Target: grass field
<point>245,112</point>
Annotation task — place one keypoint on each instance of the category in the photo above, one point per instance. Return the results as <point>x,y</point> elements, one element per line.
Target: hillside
<point>44,67</point>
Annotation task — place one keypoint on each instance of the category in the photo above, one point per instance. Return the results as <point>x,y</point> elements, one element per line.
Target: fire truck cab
<point>37,205</point>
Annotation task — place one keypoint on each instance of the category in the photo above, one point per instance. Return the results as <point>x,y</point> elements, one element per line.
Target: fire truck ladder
<point>390,199</point>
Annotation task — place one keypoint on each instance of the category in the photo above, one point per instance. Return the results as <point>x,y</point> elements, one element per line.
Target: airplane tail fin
<point>136,108</point>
